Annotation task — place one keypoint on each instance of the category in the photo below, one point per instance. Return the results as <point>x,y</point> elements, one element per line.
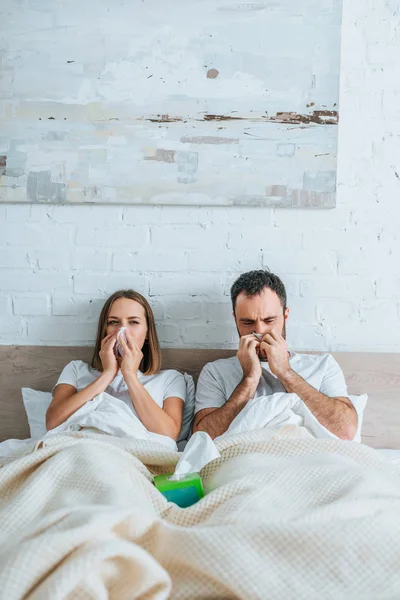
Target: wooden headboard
<point>38,367</point>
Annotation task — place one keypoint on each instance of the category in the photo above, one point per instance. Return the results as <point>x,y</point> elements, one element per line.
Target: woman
<point>144,399</point>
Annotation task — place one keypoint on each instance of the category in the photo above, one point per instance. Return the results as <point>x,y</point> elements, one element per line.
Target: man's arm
<point>215,421</point>
<point>336,414</point>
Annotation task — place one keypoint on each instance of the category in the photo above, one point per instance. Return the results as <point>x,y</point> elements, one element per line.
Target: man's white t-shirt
<point>160,386</point>
<point>219,379</point>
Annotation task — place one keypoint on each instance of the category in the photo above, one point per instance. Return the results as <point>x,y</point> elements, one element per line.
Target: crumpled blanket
<point>276,411</point>
<point>81,519</point>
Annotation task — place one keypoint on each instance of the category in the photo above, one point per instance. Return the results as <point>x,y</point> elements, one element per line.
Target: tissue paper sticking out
<point>118,347</point>
<point>259,336</point>
<point>199,451</point>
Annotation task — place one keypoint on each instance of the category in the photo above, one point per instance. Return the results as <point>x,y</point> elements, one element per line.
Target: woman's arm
<point>164,421</point>
<point>68,400</point>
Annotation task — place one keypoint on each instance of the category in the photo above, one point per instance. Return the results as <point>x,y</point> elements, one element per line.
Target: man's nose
<point>261,328</point>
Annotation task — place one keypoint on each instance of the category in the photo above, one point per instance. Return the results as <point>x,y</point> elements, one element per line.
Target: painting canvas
<point>185,102</point>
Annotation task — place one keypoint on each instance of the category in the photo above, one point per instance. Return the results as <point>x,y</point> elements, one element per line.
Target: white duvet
<point>277,411</point>
<point>110,415</point>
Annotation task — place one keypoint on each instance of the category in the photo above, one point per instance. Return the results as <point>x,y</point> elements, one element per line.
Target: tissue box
<point>183,492</point>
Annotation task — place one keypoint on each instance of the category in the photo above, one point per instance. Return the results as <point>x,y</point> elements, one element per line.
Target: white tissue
<point>199,451</point>
<point>259,336</point>
<point>118,346</point>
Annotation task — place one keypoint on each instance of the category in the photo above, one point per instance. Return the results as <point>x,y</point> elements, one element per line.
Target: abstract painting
<point>186,102</point>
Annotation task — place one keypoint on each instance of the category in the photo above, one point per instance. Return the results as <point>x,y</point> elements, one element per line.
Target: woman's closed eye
<point>117,323</point>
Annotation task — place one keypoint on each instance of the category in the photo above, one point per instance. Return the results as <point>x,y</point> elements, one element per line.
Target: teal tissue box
<point>183,492</point>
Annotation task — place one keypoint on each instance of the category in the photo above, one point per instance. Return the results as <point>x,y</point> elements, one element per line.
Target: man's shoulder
<point>222,366</point>
<point>317,360</point>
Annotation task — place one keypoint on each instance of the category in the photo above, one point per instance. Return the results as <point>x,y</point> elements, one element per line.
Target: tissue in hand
<point>184,487</point>
<point>118,347</point>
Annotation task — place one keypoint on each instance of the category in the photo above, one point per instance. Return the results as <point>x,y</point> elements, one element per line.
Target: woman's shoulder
<point>169,374</point>
<point>79,366</point>
<point>166,378</point>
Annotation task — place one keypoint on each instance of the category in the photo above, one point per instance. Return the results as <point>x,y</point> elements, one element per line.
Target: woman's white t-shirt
<point>160,386</point>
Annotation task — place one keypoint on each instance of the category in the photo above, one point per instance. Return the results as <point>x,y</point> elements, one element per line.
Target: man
<point>263,365</point>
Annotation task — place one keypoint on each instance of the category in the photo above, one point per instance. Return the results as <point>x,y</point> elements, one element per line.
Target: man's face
<point>260,313</point>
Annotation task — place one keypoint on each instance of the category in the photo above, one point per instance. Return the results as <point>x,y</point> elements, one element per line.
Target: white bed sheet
<point>391,454</point>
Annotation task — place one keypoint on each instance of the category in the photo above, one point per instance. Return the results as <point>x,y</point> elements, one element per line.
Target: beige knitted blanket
<point>295,519</point>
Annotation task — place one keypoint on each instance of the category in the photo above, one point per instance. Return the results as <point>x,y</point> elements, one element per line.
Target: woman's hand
<point>107,355</point>
<point>133,355</point>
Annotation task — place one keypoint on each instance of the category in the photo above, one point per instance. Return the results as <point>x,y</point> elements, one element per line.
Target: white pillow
<point>36,404</point>
<point>359,403</point>
<point>188,409</point>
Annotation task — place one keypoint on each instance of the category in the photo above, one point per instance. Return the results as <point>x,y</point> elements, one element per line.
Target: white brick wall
<point>341,267</point>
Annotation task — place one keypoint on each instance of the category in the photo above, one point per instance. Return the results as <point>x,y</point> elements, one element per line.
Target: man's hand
<point>274,349</point>
<point>249,359</point>
<point>215,421</point>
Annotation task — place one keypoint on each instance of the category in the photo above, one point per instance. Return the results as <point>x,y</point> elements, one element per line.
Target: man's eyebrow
<point>264,319</point>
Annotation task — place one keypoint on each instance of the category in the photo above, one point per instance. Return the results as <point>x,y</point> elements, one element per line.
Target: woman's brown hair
<point>151,362</point>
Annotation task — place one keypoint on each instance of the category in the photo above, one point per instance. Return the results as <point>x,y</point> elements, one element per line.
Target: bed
<point>284,517</point>
<point>38,367</point>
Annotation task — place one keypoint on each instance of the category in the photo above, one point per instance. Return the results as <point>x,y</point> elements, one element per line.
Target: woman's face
<point>130,314</point>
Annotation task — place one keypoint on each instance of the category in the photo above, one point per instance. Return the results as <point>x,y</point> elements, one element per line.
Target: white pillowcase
<point>36,405</point>
<point>359,403</point>
<point>188,409</point>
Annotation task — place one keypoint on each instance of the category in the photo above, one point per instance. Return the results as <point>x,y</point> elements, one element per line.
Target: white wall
<point>340,266</point>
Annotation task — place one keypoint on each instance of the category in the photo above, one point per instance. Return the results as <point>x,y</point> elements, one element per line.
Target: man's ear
<point>287,311</point>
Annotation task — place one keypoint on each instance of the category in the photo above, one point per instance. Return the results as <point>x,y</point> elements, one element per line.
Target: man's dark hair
<point>253,283</point>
